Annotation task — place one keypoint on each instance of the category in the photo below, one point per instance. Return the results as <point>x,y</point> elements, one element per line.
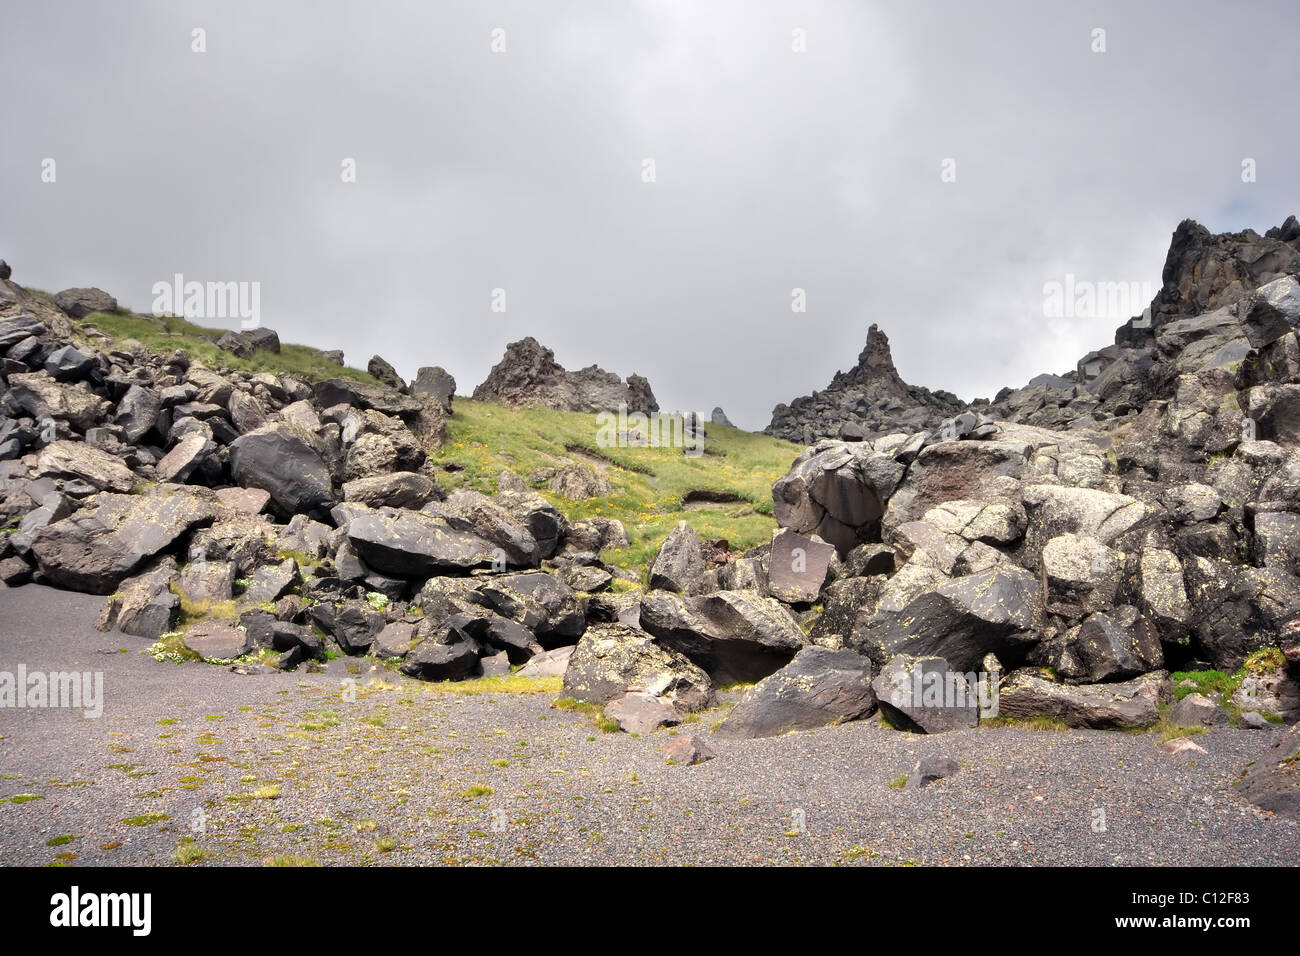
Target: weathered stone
<point>930,769</point>
<point>271,582</point>
<point>1271,311</point>
<point>1134,703</point>
<point>818,687</point>
<point>217,640</point>
<point>837,491</point>
<point>612,659</point>
<point>98,546</point>
<point>552,663</point>
<point>638,713</point>
<point>925,694</point>
<point>733,635</point>
<point>185,457</point>
<point>960,620</point>
<point>1197,710</point>
<point>207,582</point>
<point>688,750</point>
<point>797,567</point>
<point>1080,575</point>
<point>680,561</point>
<point>404,489</point>
<point>39,395</point>
<point>282,459</point>
<point>79,303</point>
<point>1272,782</point>
<point>538,601</point>
<point>435,382</point>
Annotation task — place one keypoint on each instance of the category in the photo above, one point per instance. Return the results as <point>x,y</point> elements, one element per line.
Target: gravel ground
<point>284,766</point>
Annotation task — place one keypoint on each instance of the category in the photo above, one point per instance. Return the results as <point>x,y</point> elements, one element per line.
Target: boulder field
<point>1054,554</point>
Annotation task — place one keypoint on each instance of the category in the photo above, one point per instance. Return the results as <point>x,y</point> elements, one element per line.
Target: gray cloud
<point>522,170</point>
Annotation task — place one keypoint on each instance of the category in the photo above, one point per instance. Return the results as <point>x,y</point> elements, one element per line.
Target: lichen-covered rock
<point>613,659</point>
<point>818,687</point>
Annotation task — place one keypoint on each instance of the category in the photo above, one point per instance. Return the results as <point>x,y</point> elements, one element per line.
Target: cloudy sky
<point>524,169</point>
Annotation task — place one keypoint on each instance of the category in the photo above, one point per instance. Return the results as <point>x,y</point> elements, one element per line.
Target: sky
<point>644,185</point>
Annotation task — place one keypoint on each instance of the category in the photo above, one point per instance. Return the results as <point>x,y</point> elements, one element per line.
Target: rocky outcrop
<point>867,401</point>
<point>528,375</point>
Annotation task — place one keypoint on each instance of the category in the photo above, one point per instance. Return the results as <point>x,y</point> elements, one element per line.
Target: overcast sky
<point>523,170</point>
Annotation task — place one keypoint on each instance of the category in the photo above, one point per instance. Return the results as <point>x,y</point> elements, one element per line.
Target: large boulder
<point>185,457</point>
<point>1055,510</point>
<point>75,459</point>
<point>217,640</point>
<point>402,489</point>
<point>478,514</point>
<point>680,561</point>
<point>818,687</point>
<point>734,635</point>
<point>435,382</point>
<point>283,459</point>
<point>837,491</point>
<point>145,604</point>
<point>961,620</point>
<point>1080,575</point>
<point>1272,781</point>
<point>613,659</point>
<point>105,542</point>
<point>797,567</point>
<point>41,396</point>
<point>927,695</point>
<point>540,602</point>
<point>380,369</point>
<point>1238,610</point>
<point>1025,694</point>
<point>410,544</point>
<point>1271,311</point>
<point>137,412</point>
<point>957,470</point>
<point>79,303</point>
<point>1117,645</point>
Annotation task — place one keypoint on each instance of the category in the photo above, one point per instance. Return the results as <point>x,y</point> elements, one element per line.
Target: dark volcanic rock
<point>733,635</point>
<point>871,396</point>
<point>837,491</point>
<point>612,659</point>
<point>283,459</point>
<point>79,303</point>
<point>819,687</point>
<point>529,375</point>
<point>95,548</point>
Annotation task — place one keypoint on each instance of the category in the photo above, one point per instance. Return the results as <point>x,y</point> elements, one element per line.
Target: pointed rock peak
<point>876,362</point>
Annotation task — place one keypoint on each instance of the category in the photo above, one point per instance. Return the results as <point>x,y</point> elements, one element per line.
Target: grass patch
<point>501,684</point>
<point>164,334</point>
<point>484,438</point>
<point>584,707</point>
<point>292,861</point>
<point>898,783</point>
<point>478,790</point>
<point>147,819</point>
<point>1026,723</point>
<point>1264,661</point>
<point>187,854</point>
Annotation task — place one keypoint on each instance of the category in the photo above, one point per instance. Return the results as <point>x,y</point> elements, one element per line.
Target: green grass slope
<point>164,334</point>
<point>652,485</point>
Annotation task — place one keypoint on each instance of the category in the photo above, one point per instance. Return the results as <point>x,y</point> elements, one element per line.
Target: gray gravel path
<point>390,778</point>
